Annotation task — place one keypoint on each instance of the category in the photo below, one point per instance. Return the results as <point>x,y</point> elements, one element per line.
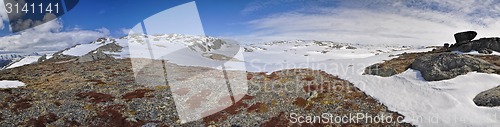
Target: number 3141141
<point>32,8</point>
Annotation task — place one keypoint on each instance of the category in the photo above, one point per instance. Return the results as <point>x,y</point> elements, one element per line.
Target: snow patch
<point>10,84</point>
<point>25,61</point>
<point>82,49</point>
<point>474,52</point>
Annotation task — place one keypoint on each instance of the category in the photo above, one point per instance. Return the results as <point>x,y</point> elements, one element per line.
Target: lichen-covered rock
<point>448,65</point>
<point>489,98</point>
<point>377,69</point>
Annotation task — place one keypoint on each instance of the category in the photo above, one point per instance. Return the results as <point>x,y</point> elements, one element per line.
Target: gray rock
<point>351,47</point>
<point>466,44</point>
<point>99,54</point>
<point>380,71</point>
<point>465,36</point>
<point>446,45</point>
<point>479,45</point>
<point>42,58</point>
<point>448,65</point>
<point>486,51</point>
<point>489,98</point>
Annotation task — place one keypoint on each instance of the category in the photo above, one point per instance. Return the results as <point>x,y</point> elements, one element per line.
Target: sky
<point>398,22</point>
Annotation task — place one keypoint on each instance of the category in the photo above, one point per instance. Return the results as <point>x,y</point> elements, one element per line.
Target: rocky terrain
<point>441,66</point>
<point>447,62</point>
<point>109,82</point>
<point>465,43</point>
<point>66,92</point>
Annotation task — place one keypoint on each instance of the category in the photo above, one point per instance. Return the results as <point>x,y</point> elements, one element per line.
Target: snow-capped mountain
<point>9,56</point>
<point>180,49</point>
<point>209,51</point>
<point>9,59</point>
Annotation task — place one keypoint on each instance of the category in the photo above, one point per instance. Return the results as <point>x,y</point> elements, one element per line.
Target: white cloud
<point>428,22</point>
<point>125,31</point>
<point>47,37</point>
<point>103,31</point>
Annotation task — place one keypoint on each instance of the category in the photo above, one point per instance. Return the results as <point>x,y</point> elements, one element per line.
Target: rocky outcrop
<point>464,43</point>
<point>489,98</point>
<point>99,54</point>
<point>394,66</point>
<point>448,65</point>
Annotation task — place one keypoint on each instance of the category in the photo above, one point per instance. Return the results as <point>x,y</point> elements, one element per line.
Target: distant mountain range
<point>9,58</point>
<point>204,50</point>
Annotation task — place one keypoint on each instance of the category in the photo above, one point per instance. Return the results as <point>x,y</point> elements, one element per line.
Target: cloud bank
<point>45,37</point>
<point>415,22</point>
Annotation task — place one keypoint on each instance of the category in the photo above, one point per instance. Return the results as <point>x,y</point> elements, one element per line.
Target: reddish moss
<point>139,93</point>
<point>21,105</point>
<point>233,109</point>
<point>214,118</point>
<point>249,76</point>
<point>258,107</point>
<point>279,121</point>
<point>96,97</point>
<point>301,102</point>
<point>308,78</point>
<point>111,117</point>
<point>273,76</point>
<point>42,121</point>
<point>355,95</point>
<point>98,82</point>
<point>72,123</point>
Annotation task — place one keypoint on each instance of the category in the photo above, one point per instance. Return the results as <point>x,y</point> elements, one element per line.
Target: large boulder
<point>490,98</point>
<point>448,65</point>
<point>465,36</point>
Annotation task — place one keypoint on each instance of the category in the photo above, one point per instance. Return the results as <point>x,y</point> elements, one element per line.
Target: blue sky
<point>218,17</point>
<point>391,22</point>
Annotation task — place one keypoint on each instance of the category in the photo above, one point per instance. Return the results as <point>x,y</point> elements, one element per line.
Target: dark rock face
<point>3,63</point>
<point>448,65</point>
<point>465,36</point>
<point>446,45</point>
<point>483,45</point>
<point>489,98</point>
<point>479,45</point>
